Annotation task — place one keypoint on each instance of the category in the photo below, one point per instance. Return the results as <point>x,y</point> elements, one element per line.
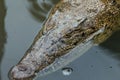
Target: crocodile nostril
<point>22,68</point>
<point>21,72</point>
<point>25,69</point>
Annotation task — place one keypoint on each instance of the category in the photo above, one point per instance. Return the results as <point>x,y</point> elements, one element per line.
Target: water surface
<point>20,21</point>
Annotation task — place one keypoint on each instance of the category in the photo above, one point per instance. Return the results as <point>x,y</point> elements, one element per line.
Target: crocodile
<point>72,25</point>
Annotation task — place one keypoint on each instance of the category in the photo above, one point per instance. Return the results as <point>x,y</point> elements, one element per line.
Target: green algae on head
<point>109,18</point>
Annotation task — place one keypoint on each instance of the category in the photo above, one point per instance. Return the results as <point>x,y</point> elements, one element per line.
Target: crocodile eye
<point>112,2</point>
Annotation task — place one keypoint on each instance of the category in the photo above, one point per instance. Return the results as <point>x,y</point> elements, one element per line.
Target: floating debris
<point>72,28</point>
<point>110,67</point>
<point>91,66</point>
<point>67,71</point>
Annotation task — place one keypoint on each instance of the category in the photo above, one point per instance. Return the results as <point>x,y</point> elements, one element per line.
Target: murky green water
<point>20,20</point>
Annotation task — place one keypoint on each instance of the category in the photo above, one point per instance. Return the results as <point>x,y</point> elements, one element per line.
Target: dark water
<point>20,20</point>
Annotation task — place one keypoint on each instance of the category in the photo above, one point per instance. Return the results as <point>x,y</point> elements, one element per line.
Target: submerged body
<point>72,25</point>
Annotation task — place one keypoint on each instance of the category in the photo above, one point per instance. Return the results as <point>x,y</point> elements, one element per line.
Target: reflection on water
<point>2,30</point>
<point>40,8</point>
<point>113,44</point>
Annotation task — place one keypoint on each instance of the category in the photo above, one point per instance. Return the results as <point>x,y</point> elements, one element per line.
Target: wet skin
<point>53,42</point>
